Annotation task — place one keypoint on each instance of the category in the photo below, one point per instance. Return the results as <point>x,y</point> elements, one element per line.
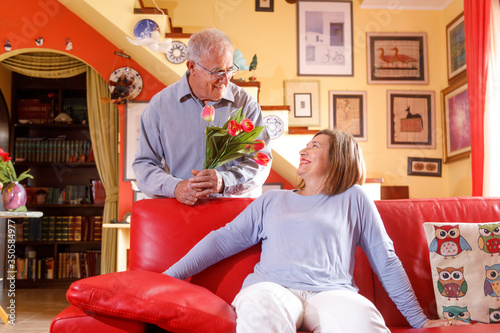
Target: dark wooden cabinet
<point>59,156</point>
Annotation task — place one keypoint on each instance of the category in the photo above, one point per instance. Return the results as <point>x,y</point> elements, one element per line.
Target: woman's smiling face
<point>314,159</point>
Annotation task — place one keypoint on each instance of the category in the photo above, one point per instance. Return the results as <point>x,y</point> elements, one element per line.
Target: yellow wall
<point>272,36</point>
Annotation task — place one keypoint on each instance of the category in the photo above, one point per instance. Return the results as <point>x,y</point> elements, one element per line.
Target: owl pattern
<point>492,281</point>
<point>456,312</point>
<point>451,282</point>
<point>489,238</point>
<point>494,315</point>
<point>448,242</point>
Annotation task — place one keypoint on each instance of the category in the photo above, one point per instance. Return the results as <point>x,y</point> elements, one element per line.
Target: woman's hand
<point>443,322</point>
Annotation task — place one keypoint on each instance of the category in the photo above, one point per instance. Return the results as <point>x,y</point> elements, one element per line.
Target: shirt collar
<point>185,92</point>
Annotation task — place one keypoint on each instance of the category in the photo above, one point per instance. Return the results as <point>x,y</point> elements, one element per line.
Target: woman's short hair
<point>209,41</point>
<point>346,163</point>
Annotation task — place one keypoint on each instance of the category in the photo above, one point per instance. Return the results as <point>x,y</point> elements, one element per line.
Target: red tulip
<point>233,128</point>
<point>247,125</point>
<point>4,155</point>
<point>261,158</point>
<point>255,146</point>
<point>208,113</point>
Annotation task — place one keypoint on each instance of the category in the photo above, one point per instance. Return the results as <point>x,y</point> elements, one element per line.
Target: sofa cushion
<point>465,266</point>
<point>153,298</point>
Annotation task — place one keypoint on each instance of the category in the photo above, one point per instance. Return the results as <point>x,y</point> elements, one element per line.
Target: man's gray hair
<point>208,41</point>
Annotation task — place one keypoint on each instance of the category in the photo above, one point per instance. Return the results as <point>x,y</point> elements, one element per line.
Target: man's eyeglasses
<point>215,76</point>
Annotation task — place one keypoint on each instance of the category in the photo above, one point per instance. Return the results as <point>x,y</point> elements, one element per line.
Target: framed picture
<point>138,195</point>
<point>411,119</point>
<point>455,48</point>
<point>264,5</point>
<point>424,166</point>
<point>348,112</point>
<point>271,186</point>
<point>397,58</point>
<point>133,111</point>
<point>456,121</point>
<point>303,98</point>
<point>324,38</point>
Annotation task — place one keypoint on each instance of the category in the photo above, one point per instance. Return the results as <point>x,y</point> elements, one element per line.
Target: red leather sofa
<point>162,231</point>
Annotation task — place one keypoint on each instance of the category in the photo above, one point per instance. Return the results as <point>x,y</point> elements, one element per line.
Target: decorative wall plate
<point>125,83</point>
<point>177,53</point>
<point>275,126</point>
<point>146,29</point>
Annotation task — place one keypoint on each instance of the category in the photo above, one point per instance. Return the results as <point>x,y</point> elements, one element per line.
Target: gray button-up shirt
<point>173,132</point>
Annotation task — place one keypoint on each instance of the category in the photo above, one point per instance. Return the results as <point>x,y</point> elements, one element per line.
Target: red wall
<point>23,21</point>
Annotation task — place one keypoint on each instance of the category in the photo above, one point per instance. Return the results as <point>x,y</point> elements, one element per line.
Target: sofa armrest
<point>154,298</point>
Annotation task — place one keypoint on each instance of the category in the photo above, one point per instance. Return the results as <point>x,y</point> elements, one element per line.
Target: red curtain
<point>477,37</point>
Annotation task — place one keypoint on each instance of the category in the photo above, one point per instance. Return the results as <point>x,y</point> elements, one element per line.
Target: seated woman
<point>304,279</point>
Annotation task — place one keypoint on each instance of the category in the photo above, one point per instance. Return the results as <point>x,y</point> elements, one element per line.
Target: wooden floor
<point>34,309</point>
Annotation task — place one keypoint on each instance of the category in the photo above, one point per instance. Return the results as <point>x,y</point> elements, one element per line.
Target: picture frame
<point>264,5</point>
<point>133,111</point>
<point>397,58</point>
<point>303,98</point>
<point>348,112</point>
<point>271,186</point>
<point>418,166</point>
<point>324,38</point>
<point>455,48</point>
<point>456,121</point>
<point>411,119</point>
<point>138,195</point>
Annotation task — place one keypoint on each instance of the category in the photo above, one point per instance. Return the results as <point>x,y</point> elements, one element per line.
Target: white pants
<point>269,307</point>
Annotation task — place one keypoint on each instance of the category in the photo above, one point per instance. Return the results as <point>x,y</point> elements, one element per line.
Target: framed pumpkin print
<point>324,38</point>
<point>411,119</point>
<point>348,112</point>
<point>397,58</point>
<point>456,121</point>
<point>455,48</point>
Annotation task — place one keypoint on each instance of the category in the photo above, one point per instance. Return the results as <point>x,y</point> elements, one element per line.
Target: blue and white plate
<point>146,29</point>
<point>275,126</point>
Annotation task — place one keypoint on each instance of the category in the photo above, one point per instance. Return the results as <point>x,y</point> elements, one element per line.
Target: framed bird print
<point>397,58</point>
<point>411,119</point>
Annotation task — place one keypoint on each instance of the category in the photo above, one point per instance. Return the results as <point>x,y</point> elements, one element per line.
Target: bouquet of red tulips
<point>235,139</point>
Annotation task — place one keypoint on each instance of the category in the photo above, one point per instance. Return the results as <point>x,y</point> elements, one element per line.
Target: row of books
<point>37,112</point>
<point>33,110</point>
<point>60,229</point>
<point>70,265</point>
<point>70,194</point>
<point>76,108</point>
<point>53,150</point>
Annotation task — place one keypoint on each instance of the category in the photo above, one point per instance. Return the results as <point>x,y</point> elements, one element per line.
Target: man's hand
<point>206,182</point>
<point>184,193</point>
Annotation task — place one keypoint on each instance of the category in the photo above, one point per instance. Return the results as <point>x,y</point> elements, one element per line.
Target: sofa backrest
<point>163,230</point>
<point>403,221</point>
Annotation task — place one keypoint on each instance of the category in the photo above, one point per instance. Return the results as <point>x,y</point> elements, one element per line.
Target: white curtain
<point>491,183</point>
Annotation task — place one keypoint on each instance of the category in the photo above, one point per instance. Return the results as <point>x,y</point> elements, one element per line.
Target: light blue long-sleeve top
<point>309,243</point>
<point>173,131</point>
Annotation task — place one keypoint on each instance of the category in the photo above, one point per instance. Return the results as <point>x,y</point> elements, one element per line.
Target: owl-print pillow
<point>465,264</point>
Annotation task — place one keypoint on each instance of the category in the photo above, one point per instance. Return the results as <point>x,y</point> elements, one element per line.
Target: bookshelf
<point>64,245</point>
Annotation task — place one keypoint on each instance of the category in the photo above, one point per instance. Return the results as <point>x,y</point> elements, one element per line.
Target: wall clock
<point>177,53</point>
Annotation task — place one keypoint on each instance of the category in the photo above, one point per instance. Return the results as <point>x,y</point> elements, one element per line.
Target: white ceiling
<point>406,4</point>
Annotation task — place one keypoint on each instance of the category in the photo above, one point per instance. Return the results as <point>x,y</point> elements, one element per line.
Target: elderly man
<point>171,147</point>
